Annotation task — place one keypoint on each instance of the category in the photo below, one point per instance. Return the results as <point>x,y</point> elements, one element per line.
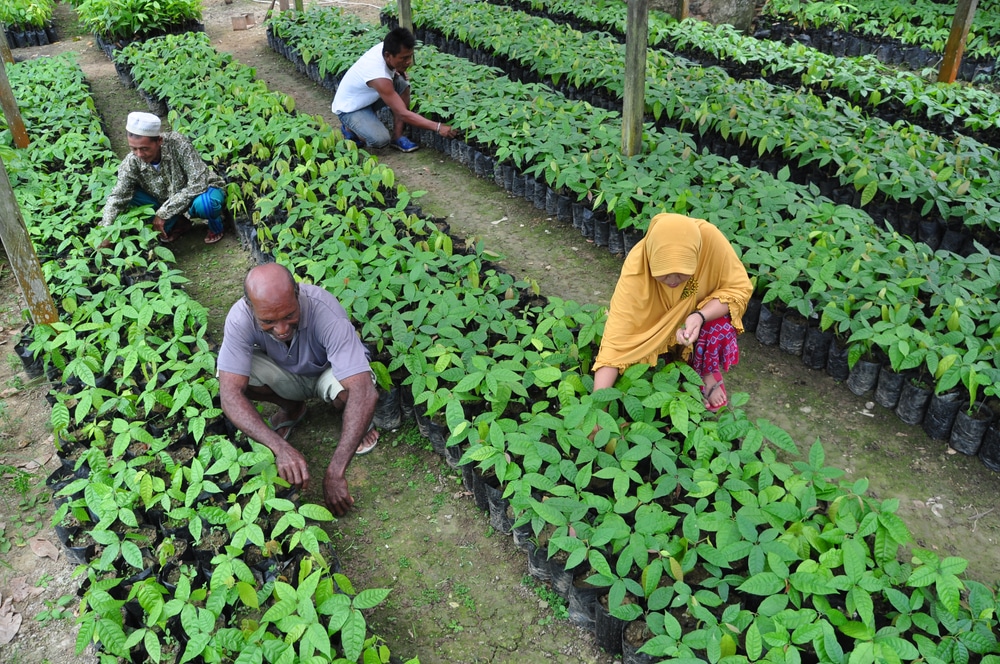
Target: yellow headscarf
<point>645,314</point>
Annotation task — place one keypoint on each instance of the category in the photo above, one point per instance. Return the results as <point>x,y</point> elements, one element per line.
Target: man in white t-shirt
<point>378,80</point>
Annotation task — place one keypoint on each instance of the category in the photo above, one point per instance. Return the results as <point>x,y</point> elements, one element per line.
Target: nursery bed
<point>944,496</point>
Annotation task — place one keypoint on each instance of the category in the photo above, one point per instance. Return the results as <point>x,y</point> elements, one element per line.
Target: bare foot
<point>714,391</point>
<point>284,421</point>
<point>368,442</point>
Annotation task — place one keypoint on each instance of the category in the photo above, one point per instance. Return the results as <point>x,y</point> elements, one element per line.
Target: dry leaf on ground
<point>43,548</point>
<point>10,622</point>
<point>36,463</point>
<point>19,590</point>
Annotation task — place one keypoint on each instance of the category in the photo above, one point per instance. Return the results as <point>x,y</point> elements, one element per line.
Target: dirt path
<point>458,595</point>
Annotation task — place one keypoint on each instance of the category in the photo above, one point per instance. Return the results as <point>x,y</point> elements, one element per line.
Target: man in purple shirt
<point>285,343</point>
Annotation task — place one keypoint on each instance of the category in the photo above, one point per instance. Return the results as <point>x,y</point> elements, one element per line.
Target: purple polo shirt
<point>325,338</point>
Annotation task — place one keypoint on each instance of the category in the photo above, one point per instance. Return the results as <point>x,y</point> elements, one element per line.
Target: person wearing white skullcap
<point>164,170</point>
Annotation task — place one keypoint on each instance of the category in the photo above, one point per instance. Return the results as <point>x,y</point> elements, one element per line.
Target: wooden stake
<point>22,257</point>
<point>5,53</point>
<point>405,15</point>
<point>953,50</point>
<point>10,111</point>
<point>683,10</point>
<point>634,103</point>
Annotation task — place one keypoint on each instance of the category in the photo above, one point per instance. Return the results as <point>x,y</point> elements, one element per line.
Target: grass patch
<point>556,603</point>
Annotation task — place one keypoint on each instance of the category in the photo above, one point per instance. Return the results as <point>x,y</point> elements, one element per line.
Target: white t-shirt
<point>353,93</point>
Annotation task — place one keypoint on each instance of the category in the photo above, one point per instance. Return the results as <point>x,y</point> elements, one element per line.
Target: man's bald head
<point>269,283</point>
<point>273,296</point>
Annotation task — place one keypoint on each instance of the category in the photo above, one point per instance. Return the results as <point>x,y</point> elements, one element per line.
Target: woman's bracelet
<point>703,321</point>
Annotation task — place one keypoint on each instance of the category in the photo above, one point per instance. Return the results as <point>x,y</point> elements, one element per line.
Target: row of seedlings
<point>27,23</point>
<point>188,543</point>
<point>902,174</point>
<point>942,108</point>
<point>115,24</point>
<point>912,34</point>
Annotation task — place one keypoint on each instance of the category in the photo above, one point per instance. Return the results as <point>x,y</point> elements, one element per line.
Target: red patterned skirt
<point>716,347</point>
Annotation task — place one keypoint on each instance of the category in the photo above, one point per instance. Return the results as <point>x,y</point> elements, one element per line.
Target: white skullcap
<point>143,124</point>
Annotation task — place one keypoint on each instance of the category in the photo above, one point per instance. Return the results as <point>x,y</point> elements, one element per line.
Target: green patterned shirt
<point>180,177</point>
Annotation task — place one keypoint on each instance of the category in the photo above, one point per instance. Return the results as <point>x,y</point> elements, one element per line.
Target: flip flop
<point>212,238</point>
<point>290,424</point>
<point>361,452</point>
<point>719,384</point>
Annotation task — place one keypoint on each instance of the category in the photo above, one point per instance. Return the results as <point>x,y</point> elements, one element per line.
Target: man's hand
<point>292,465</point>
<point>106,244</point>
<point>448,131</point>
<point>158,227</point>
<point>335,492</point>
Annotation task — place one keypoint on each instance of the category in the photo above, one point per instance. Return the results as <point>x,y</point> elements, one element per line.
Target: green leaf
<point>152,644</point>
<point>315,512</point>
<point>280,609</point>
<point>868,193</point>
<point>627,612</point>
<point>859,631</point>
<point>85,635</point>
<point>59,418</point>
<point>547,375</point>
<point>778,436</point>
<point>280,504</point>
<point>765,583</point>
<point>811,583</point>
<point>248,594</point>
<point>550,514</point>
<point>368,599</point>
<point>855,559</point>
<point>132,555</point>
<point>922,576</point>
<point>195,646</point>
<point>680,417</point>
<point>352,635</point>
<point>753,642</point>
<point>112,637</point>
<point>953,565</point>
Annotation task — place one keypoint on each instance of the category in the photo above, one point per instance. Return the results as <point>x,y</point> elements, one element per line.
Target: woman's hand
<point>687,335</point>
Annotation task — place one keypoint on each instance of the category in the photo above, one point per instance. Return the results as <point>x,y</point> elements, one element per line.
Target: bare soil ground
<point>457,586</point>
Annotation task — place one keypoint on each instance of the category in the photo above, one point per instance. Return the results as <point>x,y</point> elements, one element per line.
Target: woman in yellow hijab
<point>684,286</point>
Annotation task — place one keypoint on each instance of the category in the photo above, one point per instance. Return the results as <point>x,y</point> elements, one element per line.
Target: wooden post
<point>22,257</point>
<point>683,9</point>
<point>634,103</point>
<point>405,15</point>
<point>298,6</point>
<point>953,50</point>
<point>5,53</point>
<point>10,111</point>
<point>283,5</point>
